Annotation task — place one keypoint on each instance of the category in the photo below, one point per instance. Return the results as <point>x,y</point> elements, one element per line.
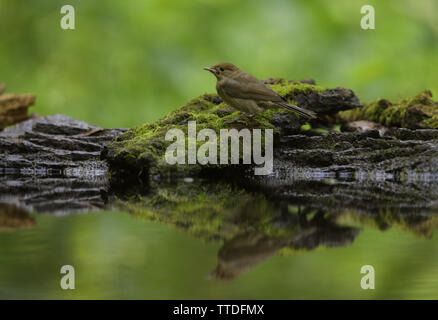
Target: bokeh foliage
<point>129,62</point>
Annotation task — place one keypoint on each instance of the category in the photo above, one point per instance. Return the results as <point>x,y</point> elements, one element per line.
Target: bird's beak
<point>212,70</point>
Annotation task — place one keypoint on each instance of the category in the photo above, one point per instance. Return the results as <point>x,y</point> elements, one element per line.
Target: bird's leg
<point>238,119</point>
<point>252,117</point>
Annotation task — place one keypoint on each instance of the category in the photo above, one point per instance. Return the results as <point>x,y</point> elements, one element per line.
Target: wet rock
<point>56,143</point>
<point>53,192</point>
<point>416,152</point>
<point>419,134</point>
<point>52,164</point>
<point>329,101</point>
<point>363,125</point>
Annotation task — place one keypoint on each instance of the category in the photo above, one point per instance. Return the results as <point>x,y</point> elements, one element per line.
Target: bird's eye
<point>221,69</point>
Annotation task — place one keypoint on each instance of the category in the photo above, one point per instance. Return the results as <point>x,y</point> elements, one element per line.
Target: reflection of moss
<point>208,211</point>
<point>419,225</point>
<point>145,146</point>
<point>12,217</point>
<point>289,251</point>
<point>419,111</point>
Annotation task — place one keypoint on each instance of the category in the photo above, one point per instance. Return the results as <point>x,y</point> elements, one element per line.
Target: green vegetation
<point>419,111</point>
<point>128,63</point>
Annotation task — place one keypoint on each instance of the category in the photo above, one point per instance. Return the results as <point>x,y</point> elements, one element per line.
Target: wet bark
<point>54,145</point>
<point>369,174</point>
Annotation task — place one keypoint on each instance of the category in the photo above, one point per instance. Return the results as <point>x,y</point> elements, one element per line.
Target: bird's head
<point>222,70</point>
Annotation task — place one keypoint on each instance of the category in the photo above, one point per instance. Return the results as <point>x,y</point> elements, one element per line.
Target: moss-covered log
<point>383,137</point>
<point>141,150</point>
<point>324,183</point>
<point>54,144</point>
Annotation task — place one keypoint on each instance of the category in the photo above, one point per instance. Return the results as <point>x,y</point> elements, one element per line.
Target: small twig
<point>92,131</point>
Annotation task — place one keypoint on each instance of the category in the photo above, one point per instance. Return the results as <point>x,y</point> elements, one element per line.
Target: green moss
<point>431,123</point>
<point>207,211</point>
<point>144,146</point>
<point>385,218</point>
<point>290,89</point>
<point>419,111</point>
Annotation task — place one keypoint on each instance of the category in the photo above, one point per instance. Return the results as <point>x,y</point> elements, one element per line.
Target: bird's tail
<point>301,111</point>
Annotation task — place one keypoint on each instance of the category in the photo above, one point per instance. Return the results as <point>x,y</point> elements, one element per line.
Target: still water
<point>145,247</point>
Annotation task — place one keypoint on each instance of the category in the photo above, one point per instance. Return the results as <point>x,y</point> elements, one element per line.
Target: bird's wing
<point>245,86</point>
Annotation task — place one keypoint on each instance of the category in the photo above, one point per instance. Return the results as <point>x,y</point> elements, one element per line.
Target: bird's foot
<point>238,119</point>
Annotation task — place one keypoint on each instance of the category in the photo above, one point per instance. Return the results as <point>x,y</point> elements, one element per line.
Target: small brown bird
<point>246,93</point>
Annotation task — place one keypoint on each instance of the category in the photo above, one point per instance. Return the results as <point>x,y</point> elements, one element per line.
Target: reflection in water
<point>21,194</point>
<point>244,251</point>
<point>12,218</point>
<point>252,226</point>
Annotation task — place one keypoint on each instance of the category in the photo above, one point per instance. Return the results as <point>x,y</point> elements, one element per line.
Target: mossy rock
<point>143,148</point>
<point>209,211</point>
<point>419,111</point>
<point>306,94</point>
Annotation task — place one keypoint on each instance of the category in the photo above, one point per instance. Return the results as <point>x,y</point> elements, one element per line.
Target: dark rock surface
<point>377,178</point>
<point>329,101</point>
<point>403,152</point>
<point>54,145</point>
<point>52,164</point>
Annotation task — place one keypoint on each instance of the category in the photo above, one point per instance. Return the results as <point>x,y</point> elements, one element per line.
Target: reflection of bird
<point>245,251</point>
<point>246,93</point>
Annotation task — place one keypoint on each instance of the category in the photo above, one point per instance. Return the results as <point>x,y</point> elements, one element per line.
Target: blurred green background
<point>129,62</point>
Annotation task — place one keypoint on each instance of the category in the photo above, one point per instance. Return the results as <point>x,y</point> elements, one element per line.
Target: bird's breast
<point>223,94</point>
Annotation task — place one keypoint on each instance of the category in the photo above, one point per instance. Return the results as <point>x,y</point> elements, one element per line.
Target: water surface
<point>263,249</point>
